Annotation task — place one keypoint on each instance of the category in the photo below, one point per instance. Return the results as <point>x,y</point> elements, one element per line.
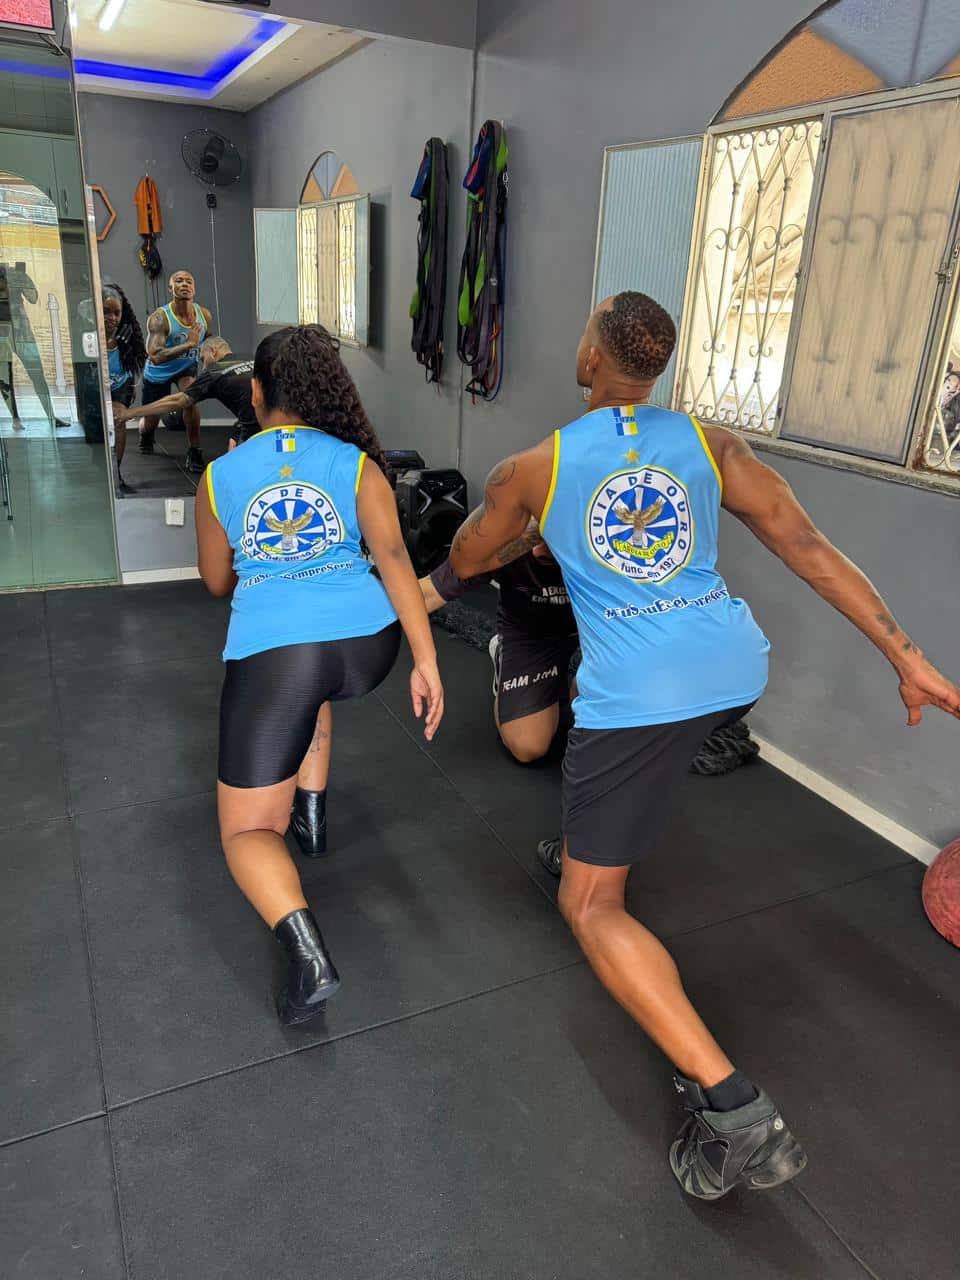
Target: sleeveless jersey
<point>119,376</point>
<point>632,517</point>
<point>176,335</point>
<point>287,500</point>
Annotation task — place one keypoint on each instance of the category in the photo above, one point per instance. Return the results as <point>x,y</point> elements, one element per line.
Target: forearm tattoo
<point>472,527</point>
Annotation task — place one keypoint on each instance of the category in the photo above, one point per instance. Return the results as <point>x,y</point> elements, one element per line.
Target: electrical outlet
<point>173,508</point>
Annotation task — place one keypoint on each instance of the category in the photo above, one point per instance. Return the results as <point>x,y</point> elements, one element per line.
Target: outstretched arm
<point>380,526</point>
<point>495,533</point>
<point>443,584</point>
<point>168,404</point>
<point>765,503</point>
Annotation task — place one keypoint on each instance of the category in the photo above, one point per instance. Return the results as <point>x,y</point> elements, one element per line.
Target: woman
<point>279,523</point>
<point>126,356</point>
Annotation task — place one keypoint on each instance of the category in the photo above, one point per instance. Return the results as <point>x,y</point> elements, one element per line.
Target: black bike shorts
<point>270,701</point>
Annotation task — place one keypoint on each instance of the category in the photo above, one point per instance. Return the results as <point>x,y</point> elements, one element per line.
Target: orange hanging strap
<point>147,199</point>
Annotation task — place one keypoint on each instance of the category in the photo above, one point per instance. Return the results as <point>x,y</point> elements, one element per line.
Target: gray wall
<point>376,109</point>
<point>125,138</point>
<point>568,79</point>
<point>450,22</point>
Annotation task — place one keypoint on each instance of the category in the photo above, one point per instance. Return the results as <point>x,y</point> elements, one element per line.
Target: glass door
<point>56,522</point>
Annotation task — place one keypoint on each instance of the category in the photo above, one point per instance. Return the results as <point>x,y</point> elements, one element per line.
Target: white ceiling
<point>187,38</point>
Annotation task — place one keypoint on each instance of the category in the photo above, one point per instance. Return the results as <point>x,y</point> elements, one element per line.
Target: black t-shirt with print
<point>229,382</point>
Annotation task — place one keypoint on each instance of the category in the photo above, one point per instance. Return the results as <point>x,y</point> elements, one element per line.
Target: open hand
<point>193,335</point>
<point>922,685</point>
<point>121,414</point>
<point>426,690</point>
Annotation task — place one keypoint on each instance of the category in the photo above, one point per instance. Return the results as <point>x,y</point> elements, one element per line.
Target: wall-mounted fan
<point>211,158</point>
<point>216,162</point>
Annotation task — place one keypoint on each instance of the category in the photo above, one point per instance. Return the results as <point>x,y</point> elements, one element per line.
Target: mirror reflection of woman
<point>279,525</point>
<point>126,356</point>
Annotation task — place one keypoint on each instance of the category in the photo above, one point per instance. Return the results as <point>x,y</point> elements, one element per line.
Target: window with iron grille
<point>755,193</point>
<point>821,309</point>
<point>313,266</point>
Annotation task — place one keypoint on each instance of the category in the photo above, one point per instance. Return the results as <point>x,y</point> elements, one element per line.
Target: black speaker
<point>432,504</point>
<point>400,460</point>
<point>173,421</point>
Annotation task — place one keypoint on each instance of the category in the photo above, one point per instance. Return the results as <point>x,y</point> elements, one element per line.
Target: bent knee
<point>525,748</point>
<point>585,908</point>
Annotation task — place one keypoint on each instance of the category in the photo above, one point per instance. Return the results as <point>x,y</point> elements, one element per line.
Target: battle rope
<point>480,291</point>
<point>426,310</point>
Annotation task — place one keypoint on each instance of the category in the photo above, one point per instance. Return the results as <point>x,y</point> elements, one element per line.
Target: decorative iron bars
<point>757,196</point>
<point>347,270</point>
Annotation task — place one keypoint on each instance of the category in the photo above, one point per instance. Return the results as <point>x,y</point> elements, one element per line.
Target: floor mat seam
<point>818,1212</point>
<point>127,1103</point>
<point>785,902</point>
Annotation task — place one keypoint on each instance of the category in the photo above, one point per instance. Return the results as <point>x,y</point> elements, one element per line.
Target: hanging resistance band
<point>480,294</point>
<point>432,190</point>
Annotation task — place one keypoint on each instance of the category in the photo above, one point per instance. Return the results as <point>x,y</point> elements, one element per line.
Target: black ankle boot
<point>312,978</point>
<point>308,822</point>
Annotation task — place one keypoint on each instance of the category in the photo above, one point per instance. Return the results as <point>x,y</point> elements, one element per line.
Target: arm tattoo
<point>887,622</point>
<point>519,546</point>
<point>502,474</point>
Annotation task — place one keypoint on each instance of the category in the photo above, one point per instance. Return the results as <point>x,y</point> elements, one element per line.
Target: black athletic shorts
<point>533,670</point>
<point>620,786</point>
<point>124,395</point>
<point>159,390</point>
<point>269,703</point>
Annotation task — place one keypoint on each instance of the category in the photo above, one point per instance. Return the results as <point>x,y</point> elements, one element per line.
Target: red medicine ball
<point>941,893</point>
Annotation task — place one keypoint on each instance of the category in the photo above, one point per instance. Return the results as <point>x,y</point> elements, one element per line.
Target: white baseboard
<point>846,801</point>
<point>158,575</point>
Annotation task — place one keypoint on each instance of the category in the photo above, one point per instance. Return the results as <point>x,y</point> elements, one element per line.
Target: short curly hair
<point>639,335</point>
<point>299,370</point>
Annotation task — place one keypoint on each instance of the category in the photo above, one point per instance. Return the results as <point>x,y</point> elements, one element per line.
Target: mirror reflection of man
<point>224,377</point>
<point>174,335</point>
<point>16,339</point>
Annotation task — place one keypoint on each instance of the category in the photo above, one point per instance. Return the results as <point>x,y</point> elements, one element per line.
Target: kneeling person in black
<point>225,377</point>
<point>536,639</point>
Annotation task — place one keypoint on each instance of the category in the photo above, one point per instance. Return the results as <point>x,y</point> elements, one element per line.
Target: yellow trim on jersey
<point>213,501</point>
<point>363,458</point>
<point>553,479</point>
<point>706,449</point>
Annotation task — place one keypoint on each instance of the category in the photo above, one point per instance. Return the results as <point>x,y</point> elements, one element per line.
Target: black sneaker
<point>550,853</point>
<point>146,442</point>
<point>194,462</point>
<point>716,1151</point>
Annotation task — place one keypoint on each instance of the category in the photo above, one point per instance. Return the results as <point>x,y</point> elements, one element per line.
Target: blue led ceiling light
<point>264,31</point>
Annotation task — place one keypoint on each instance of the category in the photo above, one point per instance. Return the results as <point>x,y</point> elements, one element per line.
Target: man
<point>534,644</point>
<point>628,499</point>
<point>174,334</point>
<point>224,377</point>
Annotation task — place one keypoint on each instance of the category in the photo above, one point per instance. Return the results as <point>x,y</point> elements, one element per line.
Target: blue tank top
<point>287,500</point>
<point>176,335</point>
<point>119,376</point>
<point>632,516</point>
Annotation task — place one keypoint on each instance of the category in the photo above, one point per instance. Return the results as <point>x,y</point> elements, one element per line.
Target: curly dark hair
<point>130,344</point>
<point>639,335</point>
<point>299,368</point>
